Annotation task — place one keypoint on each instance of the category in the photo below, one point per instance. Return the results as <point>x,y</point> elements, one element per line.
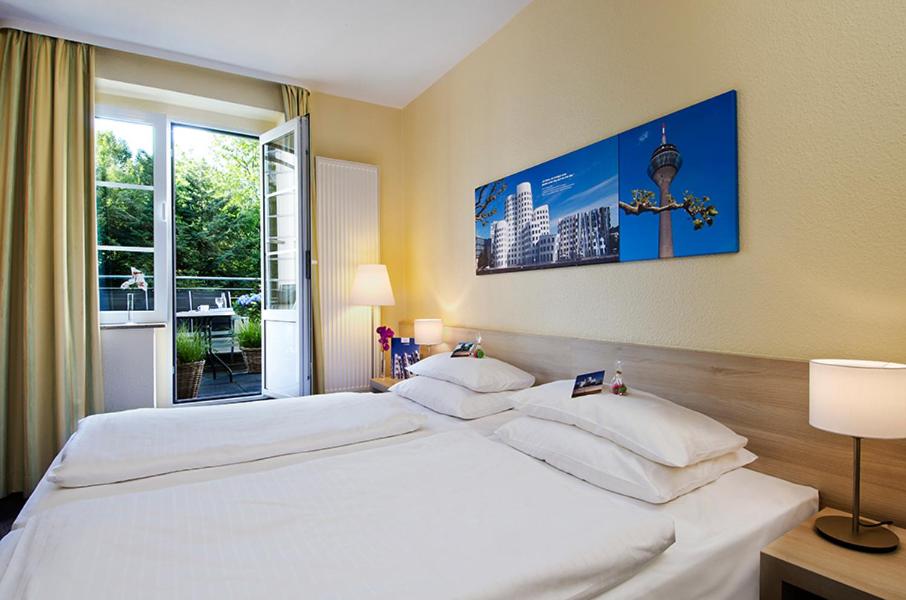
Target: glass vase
<point>130,306</point>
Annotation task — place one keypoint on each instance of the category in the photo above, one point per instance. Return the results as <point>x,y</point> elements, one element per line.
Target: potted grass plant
<point>248,332</point>
<point>249,335</point>
<point>190,357</point>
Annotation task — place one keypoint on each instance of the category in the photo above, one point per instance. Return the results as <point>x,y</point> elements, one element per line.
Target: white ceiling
<point>382,51</point>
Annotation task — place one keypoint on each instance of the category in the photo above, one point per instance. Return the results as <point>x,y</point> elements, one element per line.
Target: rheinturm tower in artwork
<point>665,162</point>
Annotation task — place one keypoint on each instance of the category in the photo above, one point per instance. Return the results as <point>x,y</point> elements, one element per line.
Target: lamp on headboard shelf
<point>429,332</point>
<point>862,399</point>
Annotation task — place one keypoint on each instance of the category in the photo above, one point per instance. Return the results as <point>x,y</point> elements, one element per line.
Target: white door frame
<point>300,314</point>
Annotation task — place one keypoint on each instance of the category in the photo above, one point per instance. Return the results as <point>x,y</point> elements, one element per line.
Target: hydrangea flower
<point>248,305</point>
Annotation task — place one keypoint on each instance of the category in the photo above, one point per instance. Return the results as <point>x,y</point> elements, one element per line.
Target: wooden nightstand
<point>802,565</point>
<point>382,384</point>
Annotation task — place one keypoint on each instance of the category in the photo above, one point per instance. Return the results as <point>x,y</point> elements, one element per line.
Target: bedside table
<point>800,564</point>
<point>382,384</point>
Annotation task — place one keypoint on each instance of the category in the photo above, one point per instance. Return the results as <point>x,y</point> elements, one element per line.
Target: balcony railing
<point>200,290</point>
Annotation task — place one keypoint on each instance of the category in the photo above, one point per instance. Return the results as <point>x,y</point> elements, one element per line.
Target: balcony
<point>225,371</point>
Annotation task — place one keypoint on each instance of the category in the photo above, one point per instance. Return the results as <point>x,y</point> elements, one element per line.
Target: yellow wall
<point>368,133</point>
<point>188,79</point>
<point>822,266</point>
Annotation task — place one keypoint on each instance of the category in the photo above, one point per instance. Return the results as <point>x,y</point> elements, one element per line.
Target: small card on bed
<point>462,349</point>
<point>588,383</point>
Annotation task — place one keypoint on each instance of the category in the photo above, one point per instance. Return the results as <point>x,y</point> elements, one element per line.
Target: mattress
<point>720,531</point>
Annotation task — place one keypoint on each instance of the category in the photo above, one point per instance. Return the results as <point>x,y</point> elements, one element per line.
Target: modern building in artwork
<point>585,235</point>
<point>500,244</point>
<point>523,237</point>
<point>483,251</point>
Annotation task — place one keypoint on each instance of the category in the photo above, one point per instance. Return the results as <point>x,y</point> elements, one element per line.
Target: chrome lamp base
<point>839,530</point>
<point>851,532</point>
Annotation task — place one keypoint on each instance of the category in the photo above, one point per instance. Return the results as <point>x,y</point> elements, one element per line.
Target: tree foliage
<point>216,208</point>
<point>700,210</point>
<point>218,211</point>
<point>485,196</point>
<point>124,216</point>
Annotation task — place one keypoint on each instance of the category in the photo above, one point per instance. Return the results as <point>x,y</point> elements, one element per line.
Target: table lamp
<point>429,332</point>
<point>371,287</point>
<point>862,399</point>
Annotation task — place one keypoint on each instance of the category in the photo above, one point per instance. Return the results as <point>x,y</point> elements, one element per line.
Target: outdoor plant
<point>249,334</point>
<point>190,346</point>
<point>248,305</point>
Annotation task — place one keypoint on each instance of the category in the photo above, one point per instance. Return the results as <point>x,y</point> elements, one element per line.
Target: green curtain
<point>50,360</point>
<point>295,104</point>
<point>295,101</point>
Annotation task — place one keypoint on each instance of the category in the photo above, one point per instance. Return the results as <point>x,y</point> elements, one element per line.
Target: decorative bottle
<point>477,350</point>
<point>616,384</point>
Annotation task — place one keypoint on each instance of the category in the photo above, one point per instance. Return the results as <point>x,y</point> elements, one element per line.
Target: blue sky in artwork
<point>705,135</point>
<point>591,181</point>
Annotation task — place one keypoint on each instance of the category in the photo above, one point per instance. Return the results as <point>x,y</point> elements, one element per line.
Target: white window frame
<point>161,129</point>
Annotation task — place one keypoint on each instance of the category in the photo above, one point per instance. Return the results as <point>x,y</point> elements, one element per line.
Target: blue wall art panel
<point>665,189</point>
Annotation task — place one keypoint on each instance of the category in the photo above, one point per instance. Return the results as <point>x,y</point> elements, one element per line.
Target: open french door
<point>286,256</point>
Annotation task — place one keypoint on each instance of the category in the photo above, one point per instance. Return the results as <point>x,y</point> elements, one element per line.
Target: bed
<point>47,495</point>
<point>718,529</point>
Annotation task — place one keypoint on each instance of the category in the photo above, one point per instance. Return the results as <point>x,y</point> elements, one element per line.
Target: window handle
<point>164,211</point>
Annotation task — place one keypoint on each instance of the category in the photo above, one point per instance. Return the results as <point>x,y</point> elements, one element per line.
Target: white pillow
<point>451,399</point>
<point>612,467</point>
<point>648,425</point>
<point>477,374</point>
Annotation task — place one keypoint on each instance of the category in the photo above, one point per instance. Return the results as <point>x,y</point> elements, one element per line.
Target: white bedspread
<point>448,516</point>
<point>127,445</point>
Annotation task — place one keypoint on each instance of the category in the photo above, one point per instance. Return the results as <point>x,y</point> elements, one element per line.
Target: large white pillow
<point>451,399</point>
<point>477,374</point>
<point>610,466</point>
<point>648,425</point>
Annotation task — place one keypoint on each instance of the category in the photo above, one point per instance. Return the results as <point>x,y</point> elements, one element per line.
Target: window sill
<point>132,325</point>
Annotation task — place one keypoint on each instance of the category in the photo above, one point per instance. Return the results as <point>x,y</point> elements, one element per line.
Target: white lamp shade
<point>371,286</point>
<point>429,332</point>
<point>858,398</point>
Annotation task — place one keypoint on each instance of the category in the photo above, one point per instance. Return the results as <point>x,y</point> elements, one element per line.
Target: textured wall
<point>188,79</point>
<point>822,144</point>
<point>368,133</point>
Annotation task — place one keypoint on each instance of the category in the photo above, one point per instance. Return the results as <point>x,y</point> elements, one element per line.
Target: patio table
<point>204,318</point>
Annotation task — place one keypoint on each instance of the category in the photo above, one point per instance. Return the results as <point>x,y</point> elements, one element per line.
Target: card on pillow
<point>451,399</point>
<point>610,466</point>
<point>477,374</point>
<point>648,425</point>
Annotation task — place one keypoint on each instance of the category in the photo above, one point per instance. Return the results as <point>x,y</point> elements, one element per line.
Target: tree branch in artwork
<point>700,210</point>
<point>485,196</point>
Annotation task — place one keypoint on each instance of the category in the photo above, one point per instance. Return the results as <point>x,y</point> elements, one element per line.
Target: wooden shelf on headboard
<point>764,399</point>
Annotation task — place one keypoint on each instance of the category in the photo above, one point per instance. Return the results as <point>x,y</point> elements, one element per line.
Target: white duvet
<point>113,447</point>
<point>449,516</point>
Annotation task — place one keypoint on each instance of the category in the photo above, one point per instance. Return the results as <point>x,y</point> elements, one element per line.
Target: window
<point>131,202</point>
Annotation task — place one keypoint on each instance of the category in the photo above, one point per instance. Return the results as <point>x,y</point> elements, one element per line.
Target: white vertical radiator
<point>347,235</point>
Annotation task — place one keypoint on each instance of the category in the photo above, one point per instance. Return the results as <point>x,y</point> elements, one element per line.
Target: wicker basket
<point>188,379</point>
<point>252,358</point>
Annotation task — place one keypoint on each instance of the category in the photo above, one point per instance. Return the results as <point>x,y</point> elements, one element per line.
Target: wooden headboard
<point>764,399</point>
